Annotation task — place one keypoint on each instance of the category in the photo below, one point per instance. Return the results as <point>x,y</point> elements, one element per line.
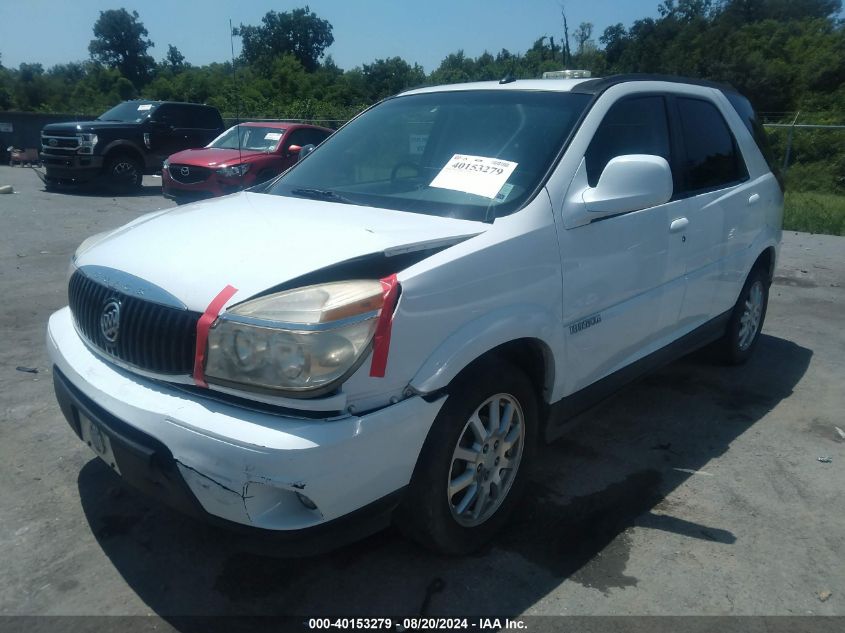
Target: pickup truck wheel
<point>473,464</point>
<point>746,321</point>
<point>123,172</point>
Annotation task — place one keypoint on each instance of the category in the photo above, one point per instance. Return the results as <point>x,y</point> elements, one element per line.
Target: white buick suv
<point>388,330</point>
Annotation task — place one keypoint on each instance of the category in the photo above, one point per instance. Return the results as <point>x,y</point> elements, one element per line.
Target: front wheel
<point>123,172</point>
<point>746,321</point>
<point>474,461</point>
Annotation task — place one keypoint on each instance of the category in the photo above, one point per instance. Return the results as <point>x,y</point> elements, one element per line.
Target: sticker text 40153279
<point>478,175</point>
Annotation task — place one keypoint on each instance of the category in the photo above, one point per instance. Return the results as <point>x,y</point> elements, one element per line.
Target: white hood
<point>255,241</point>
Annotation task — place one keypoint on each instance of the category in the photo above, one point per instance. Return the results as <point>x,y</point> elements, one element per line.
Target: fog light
<point>306,501</point>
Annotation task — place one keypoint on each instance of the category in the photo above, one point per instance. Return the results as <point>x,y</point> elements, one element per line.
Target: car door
<point>164,136</point>
<point>198,125</point>
<point>720,203</point>
<point>621,293</point>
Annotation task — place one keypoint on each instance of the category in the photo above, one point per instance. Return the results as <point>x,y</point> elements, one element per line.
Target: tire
<point>123,172</point>
<point>746,322</point>
<point>470,456</point>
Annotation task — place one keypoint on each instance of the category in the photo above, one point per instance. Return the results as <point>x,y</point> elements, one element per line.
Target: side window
<point>635,125</point>
<point>203,118</point>
<point>712,159</point>
<point>173,115</point>
<point>164,114</point>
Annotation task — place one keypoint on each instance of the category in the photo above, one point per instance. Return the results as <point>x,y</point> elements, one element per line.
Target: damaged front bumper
<point>233,465</point>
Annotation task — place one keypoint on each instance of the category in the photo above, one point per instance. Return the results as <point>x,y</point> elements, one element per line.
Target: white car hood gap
<point>256,241</point>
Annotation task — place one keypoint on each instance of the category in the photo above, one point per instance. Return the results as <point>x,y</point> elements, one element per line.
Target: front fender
<point>126,146</point>
<point>478,337</point>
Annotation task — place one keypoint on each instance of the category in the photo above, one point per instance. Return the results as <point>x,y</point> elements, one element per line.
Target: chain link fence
<point>811,156</point>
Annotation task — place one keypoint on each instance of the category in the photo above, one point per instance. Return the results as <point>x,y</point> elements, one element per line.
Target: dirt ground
<point>696,491</point>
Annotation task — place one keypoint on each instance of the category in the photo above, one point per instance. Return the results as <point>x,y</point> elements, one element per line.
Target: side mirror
<point>305,150</point>
<point>630,183</point>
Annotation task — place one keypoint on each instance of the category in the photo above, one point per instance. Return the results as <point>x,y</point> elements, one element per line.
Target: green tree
<point>455,68</point>
<point>299,33</point>
<point>748,11</point>
<point>174,60</point>
<point>614,39</point>
<point>386,77</point>
<point>582,36</point>
<point>120,43</point>
<point>6,82</point>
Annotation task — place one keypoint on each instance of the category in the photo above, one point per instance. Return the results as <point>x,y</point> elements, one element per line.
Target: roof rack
<point>598,85</point>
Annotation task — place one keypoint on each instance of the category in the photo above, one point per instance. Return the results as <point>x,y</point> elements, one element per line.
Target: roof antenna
<point>237,104</point>
<point>507,79</point>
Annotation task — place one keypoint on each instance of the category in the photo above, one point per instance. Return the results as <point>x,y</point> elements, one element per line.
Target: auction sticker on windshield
<point>474,174</point>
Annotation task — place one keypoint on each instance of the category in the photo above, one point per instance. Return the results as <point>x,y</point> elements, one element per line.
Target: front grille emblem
<point>53,142</point>
<point>185,171</point>
<point>110,321</point>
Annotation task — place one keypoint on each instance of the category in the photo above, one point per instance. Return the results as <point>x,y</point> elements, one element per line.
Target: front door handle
<point>678,224</point>
<point>753,198</point>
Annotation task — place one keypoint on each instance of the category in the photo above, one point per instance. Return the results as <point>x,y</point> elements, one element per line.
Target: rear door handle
<point>753,198</point>
<point>678,224</point>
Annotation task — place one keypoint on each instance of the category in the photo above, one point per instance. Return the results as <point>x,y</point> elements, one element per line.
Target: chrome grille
<point>61,144</point>
<point>194,174</point>
<point>152,337</point>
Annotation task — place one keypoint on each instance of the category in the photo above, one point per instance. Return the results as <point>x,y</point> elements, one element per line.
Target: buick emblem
<point>185,171</point>
<point>110,321</point>
<point>53,142</point>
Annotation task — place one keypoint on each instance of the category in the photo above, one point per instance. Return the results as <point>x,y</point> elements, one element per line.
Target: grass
<point>814,212</point>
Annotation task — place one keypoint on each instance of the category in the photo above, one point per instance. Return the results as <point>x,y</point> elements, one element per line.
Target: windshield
<point>261,139</point>
<point>129,112</point>
<point>474,155</point>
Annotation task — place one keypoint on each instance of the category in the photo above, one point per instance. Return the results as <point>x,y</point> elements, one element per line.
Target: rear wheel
<point>746,321</point>
<point>473,464</point>
<point>123,172</point>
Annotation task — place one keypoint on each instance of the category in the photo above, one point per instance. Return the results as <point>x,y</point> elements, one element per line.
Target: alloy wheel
<point>485,460</point>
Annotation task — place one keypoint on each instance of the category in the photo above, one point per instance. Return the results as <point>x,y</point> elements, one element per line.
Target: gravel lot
<point>696,491</point>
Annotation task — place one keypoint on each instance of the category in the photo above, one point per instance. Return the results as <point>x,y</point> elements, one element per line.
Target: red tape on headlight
<point>381,338</point>
<point>203,325</point>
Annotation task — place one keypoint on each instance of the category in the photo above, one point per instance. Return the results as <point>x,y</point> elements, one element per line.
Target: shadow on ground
<point>612,471</point>
<point>95,188</point>
<point>102,191</point>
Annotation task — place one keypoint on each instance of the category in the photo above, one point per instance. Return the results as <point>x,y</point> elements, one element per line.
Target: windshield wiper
<point>321,194</point>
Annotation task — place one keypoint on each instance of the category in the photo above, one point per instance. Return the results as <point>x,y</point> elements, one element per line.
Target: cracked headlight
<point>297,342</point>
<point>233,170</point>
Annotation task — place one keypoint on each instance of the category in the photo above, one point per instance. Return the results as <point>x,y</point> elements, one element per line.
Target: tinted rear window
<point>755,126</point>
<point>206,118</point>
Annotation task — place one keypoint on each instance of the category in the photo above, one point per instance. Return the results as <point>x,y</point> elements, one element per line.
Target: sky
<point>419,31</point>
